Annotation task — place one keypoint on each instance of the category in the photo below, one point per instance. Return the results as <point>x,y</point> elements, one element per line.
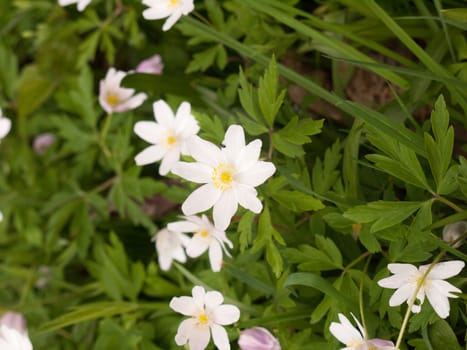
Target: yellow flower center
<point>204,233</point>
<point>171,140</point>
<point>174,2</point>
<point>113,100</point>
<point>223,176</point>
<point>203,319</point>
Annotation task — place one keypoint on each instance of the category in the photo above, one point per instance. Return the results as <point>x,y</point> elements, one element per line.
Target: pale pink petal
<point>148,131</point>
<point>184,305</point>
<point>226,314</point>
<point>257,174</point>
<point>225,207</point>
<point>163,114</point>
<point>220,337</point>
<point>132,102</point>
<point>247,198</point>
<point>150,155</point>
<point>446,269</point>
<point>199,340</point>
<point>194,172</point>
<point>402,294</point>
<point>170,159</point>
<point>197,246</point>
<point>201,199</point>
<point>215,256</point>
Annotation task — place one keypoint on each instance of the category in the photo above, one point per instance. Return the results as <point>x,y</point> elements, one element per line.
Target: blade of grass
<point>346,50</point>
<point>439,9</point>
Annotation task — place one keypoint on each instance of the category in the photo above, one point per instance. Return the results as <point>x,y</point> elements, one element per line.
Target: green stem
<point>103,136</point>
<point>362,314</point>
<point>448,203</point>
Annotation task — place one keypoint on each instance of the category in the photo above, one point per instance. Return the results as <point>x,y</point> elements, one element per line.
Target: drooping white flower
<point>169,135</point>
<point>5,125</point>
<point>407,277</point>
<point>153,65</point>
<point>113,97</point>
<point>229,175</point>
<point>258,338</point>
<point>355,339</point>
<point>454,231</point>
<point>13,332</point>
<point>170,246</point>
<point>207,316</point>
<point>42,142</point>
<point>81,4</point>
<point>172,9</point>
<point>206,236</point>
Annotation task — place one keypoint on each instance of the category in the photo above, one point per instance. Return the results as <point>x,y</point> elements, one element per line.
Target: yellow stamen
<point>174,2</point>
<point>171,140</point>
<point>113,100</point>
<point>203,319</point>
<point>204,233</point>
<point>223,176</point>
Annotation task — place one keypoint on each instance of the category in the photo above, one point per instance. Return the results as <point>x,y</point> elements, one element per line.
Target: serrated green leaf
<point>269,99</point>
<point>285,147</point>
<point>274,258</point>
<point>249,98</point>
<point>297,201</point>
<point>245,230</point>
<point>203,60</point>
<point>382,214</point>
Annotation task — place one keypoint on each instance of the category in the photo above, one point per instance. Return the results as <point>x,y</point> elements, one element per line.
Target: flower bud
<point>13,332</point>
<point>454,231</point>
<point>152,65</point>
<point>258,338</point>
<point>42,142</point>
<point>380,344</point>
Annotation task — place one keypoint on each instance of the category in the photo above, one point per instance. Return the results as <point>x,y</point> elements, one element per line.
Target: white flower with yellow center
<point>207,316</point>
<point>170,246</point>
<point>13,332</point>
<point>113,97</point>
<point>355,339</point>
<point>81,4</point>
<point>172,9</point>
<point>169,135</point>
<point>5,125</point>
<point>229,175</point>
<point>407,278</point>
<point>206,236</point>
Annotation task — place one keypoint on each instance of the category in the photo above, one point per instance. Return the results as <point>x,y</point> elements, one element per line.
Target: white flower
<point>152,65</point>
<point>207,316</point>
<point>355,339</point>
<point>173,9</point>
<point>81,4</point>
<point>206,236</point>
<point>1,216</point>
<point>258,338</point>
<point>113,97</point>
<point>407,277</point>
<point>229,175</point>
<point>169,135</point>
<point>170,246</point>
<point>13,332</point>
<point>5,125</point>
<point>454,231</point>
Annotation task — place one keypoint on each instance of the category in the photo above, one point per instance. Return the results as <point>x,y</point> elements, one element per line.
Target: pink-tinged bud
<point>42,142</point>
<point>258,338</point>
<point>380,344</point>
<point>454,231</point>
<point>13,332</point>
<point>152,65</point>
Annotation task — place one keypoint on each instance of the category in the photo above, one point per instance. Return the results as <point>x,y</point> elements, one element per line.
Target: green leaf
<point>298,131</point>
<point>382,214</point>
<point>369,240</point>
<point>312,259</point>
<point>245,230</point>
<point>286,147</point>
<point>297,201</point>
<point>203,60</point>
<point>442,336</point>
<point>8,70</point>
<point>315,281</point>
<point>325,173</point>
<point>269,100</point>
<point>274,258</point>
<point>249,98</point>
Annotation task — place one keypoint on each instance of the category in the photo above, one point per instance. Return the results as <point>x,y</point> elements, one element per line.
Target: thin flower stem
<point>356,261</point>
<point>362,314</point>
<point>103,136</point>
<point>105,185</point>
<point>271,146</point>
<point>448,203</point>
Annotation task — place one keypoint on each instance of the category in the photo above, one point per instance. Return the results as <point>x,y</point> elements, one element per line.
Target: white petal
<point>183,226</point>
<point>199,294</point>
<point>226,314</point>
<point>234,137</point>
<point>444,288</point>
<point>220,337</point>
<point>247,197</point>
<point>404,269</point>
<point>156,12</point>
<point>168,162</point>
<point>185,331</point>
<point>173,18</point>
<point>224,209</point>
<point>248,155</point>
<point>163,114</point>
<point>199,340</point>
<point>184,305</point>
<point>215,256</point>
<point>197,246</point>
<point>396,281</point>
<point>183,111</point>
<point>150,155</point>
<point>205,152</point>
<point>446,269</point>
<point>213,300</point>
<point>257,174</point>
<point>148,131</point>
<point>402,294</point>
<point>5,126</point>
<point>194,172</point>
<point>132,102</point>
<point>438,300</point>
<point>201,199</point>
